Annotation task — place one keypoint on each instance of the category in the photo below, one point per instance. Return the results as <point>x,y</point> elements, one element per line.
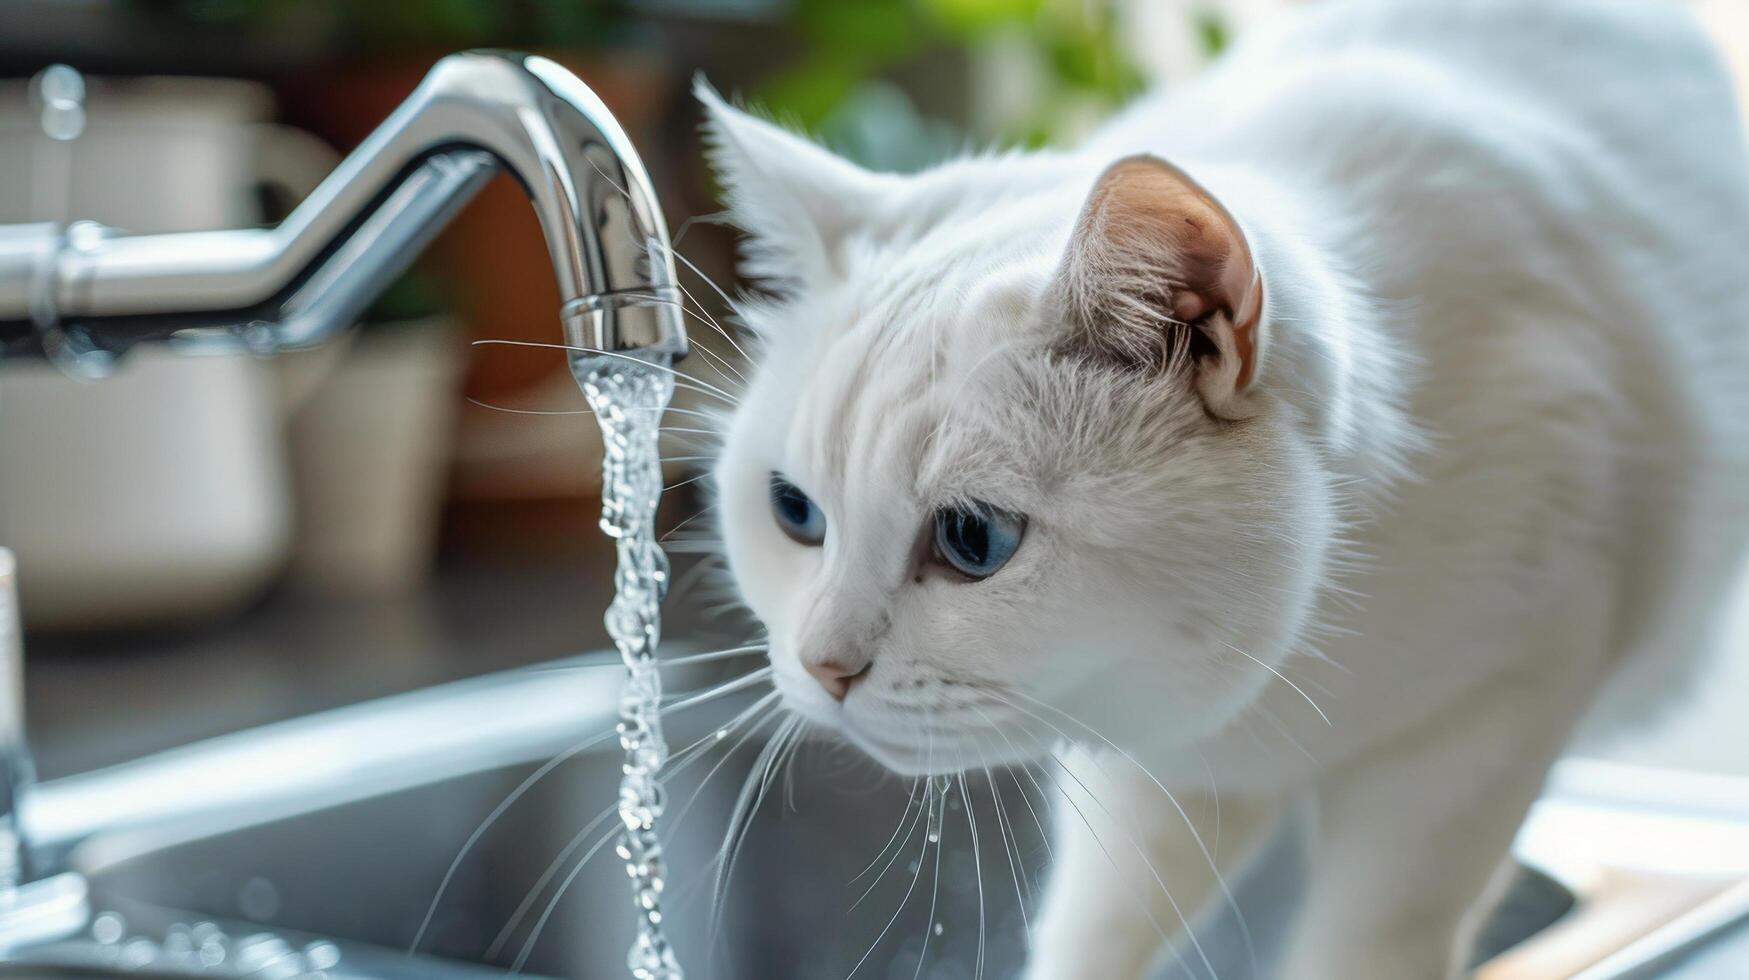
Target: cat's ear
<point>1158,270</point>
<point>797,200</point>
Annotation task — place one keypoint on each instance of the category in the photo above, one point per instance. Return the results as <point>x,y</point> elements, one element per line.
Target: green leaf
<point>807,93</point>
<point>972,18</point>
<point>1211,29</point>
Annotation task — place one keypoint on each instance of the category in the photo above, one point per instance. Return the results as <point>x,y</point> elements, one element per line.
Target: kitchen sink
<point>334,832</point>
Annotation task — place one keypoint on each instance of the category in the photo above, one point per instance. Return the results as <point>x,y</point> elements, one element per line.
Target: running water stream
<point>628,398</point>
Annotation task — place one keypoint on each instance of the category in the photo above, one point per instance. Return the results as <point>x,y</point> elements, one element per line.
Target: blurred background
<point>379,508</point>
<point>211,544</point>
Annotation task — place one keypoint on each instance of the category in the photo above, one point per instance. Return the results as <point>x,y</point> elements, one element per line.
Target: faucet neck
<point>87,295</point>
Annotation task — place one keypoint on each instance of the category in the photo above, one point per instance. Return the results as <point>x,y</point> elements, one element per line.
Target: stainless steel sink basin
<point>365,872</point>
<point>350,844</point>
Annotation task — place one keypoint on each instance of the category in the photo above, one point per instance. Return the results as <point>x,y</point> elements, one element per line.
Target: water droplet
<point>109,928</point>
<point>138,953</point>
<point>938,929</point>
<point>321,955</point>
<point>177,941</point>
<point>258,899</point>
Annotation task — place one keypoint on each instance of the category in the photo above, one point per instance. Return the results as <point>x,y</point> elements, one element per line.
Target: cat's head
<point>1009,465</point>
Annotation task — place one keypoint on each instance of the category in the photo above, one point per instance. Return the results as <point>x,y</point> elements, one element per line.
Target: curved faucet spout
<point>84,293</point>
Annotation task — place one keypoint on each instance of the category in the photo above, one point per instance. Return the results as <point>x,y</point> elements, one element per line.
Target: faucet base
<point>43,911</point>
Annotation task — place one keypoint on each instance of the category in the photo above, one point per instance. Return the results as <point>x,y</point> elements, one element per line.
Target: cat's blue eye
<point>796,514</point>
<point>976,541</point>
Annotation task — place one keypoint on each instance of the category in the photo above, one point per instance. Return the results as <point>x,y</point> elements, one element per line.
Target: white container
<point>159,494</point>
<point>370,456</point>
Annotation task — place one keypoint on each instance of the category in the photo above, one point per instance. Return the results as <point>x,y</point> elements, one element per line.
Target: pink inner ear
<point>1148,204</point>
<point>1189,306</point>
<point>1146,213</point>
<point>1245,320</point>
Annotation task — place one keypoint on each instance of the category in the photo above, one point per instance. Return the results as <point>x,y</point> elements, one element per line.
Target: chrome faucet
<point>15,764</point>
<point>81,294</point>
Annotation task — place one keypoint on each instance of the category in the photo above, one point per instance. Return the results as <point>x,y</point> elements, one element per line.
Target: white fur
<point>1498,453</point>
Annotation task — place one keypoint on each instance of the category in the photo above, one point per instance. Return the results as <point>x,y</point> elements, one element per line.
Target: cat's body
<point>1475,429</point>
<point>1547,205</point>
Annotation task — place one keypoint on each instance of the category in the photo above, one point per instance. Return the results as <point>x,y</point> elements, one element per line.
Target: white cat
<point>1399,365</point>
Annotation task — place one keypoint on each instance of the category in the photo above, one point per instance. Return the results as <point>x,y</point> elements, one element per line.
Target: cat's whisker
<point>1171,946</point>
<point>1183,917</point>
<point>977,872</point>
<point>739,812</point>
<point>703,538</point>
<point>701,512</point>
<point>1016,870</point>
<point>1016,867</point>
<point>679,704</point>
<point>682,379</point>
<point>703,313</point>
<point>786,765</point>
<point>1044,836</point>
<point>723,609</point>
<point>491,818</point>
<point>741,683</point>
<point>587,411</point>
<point>1215,794</point>
<point>606,663</point>
<point>686,226</point>
<point>674,252</point>
<point>677,763</point>
<point>679,410</point>
<point>767,778</point>
<point>613,660</point>
<point>526,411</point>
<point>733,750</point>
<point>705,658</point>
<point>540,885</point>
<point>1284,679</point>
<point>716,737</point>
<point>1275,723</point>
<point>1136,846</point>
<point>718,592</point>
<point>688,481</point>
<point>910,801</point>
<point>747,805</point>
<point>717,362</point>
<point>1209,858</point>
<point>705,388</point>
<point>916,876</point>
<point>540,924</point>
<point>1170,798</point>
<point>719,291</point>
<point>927,791</point>
<point>934,895</point>
<point>700,546</point>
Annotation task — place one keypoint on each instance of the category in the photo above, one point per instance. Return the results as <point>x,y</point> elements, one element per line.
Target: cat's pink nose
<point>835,677</point>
